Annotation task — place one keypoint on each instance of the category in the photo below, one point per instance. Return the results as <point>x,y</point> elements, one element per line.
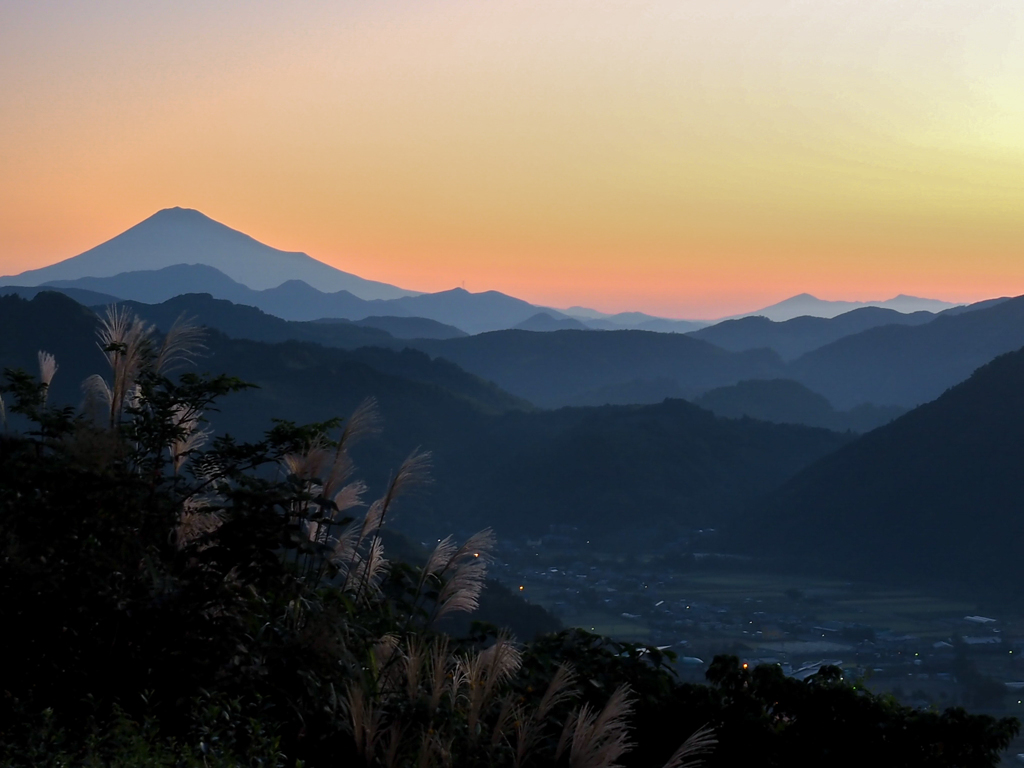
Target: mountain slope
<point>565,367</point>
<point>628,477</point>
<point>628,474</point>
<point>910,365</point>
<point>180,236</point>
<point>936,496</point>
<point>786,402</point>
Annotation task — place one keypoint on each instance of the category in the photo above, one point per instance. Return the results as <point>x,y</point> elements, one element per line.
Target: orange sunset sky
<point>687,158</point>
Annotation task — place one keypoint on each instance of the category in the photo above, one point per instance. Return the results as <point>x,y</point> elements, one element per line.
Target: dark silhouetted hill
<point>626,474</point>
<point>372,345</point>
<point>157,285</point>
<point>82,296</point>
<point>910,365</point>
<point>633,392</point>
<point>53,323</point>
<point>792,338</point>
<point>935,497</point>
<point>787,402</point>
<point>245,322</point>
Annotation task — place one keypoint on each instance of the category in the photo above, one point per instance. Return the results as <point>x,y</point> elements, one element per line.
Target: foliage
<point>177,600</point>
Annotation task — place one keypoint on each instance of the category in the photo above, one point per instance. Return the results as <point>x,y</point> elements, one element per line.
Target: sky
<point>687,158</point>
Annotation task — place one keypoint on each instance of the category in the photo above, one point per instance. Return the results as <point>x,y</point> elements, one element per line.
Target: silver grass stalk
<point>527,729</point>
<point>392,742</point>
<point>389,661</point>
<point>484,671</point>
<point>367,575</point>
<point>190,438</point>
<point>338,473</point>
<point>181,344</point>
<point>193,524</point>
<point>372,521</point>
<point>440,557</point>
<point>692,752</point>
<point>98,392</point>
<point>310,528</point>
<point>344,548</point>
<point>310,464</point>
<point>366,721</point>
<point>414,471</point>
<point>560,689</point>
<point>599,740</point>
<point>47,368</point>
<point>363,422</point>
<point>349,497</point>
<point>464,576</point>
<point>123,339</point>
<point>440,661</point>
<point>415,659</point>
<point>506,715</point>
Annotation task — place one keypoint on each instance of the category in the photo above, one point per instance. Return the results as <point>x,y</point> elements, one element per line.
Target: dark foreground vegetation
<point>168,599</point>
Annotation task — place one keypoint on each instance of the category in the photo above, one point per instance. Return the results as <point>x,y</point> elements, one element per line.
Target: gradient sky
<point>686,158</point>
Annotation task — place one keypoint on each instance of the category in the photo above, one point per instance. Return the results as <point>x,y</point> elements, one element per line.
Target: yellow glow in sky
<point>686,159</point>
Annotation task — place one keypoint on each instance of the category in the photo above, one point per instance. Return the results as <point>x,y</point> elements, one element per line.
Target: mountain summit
<point>185,236</point>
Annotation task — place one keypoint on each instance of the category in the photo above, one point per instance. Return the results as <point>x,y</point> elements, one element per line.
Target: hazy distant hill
<point>297,300</point>
<point>184,236</point>
<point>786,402</point>
<point>806,304</point>
<point>792,338</point>
<point>910,365</point>
<point>543,321</point>
<point>631,320</point>
<point>411,327</point>
<point>561,367</point>
<point>934,497</point>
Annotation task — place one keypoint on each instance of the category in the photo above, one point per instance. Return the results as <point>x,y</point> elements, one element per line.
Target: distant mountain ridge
<point>182,235</point>
<point>297,300</point>
<point>908,365</point>
<point>806,304</point>
<point>795,337</point>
